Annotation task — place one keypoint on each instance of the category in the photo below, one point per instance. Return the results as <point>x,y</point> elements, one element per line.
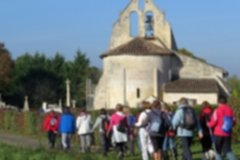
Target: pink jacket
<point>115,119</point>
<point>216,121</point>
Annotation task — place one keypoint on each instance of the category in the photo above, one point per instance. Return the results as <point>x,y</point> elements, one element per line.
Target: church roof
<point>138,46</point>
<point>192,86</point>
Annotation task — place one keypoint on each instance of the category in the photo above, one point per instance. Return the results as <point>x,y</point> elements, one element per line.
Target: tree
<point>43,79</point>
<point>78,75</point>
<point>234,100</point>
<point>6,65</point>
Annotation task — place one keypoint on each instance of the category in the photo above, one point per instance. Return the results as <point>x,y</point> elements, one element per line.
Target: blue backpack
<point>227,124</point>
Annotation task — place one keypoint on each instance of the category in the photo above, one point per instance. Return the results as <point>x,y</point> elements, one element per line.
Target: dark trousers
<point>186,144</point>
<point>131,144</point>
<point>105,143</point>
<point>51,138</point>
<point>206,142</point>
<point>223,144</point>
<point>121,150</point>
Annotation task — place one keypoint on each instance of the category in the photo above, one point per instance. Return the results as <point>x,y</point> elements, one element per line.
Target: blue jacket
<point>67,123</point>
<point>178,120</point>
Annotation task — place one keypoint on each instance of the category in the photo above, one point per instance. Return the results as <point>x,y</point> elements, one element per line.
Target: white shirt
<point>83,124</point>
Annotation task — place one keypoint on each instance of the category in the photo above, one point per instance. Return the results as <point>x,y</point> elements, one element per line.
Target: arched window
<point>149,24</point>
<point>134,24</point>
<point>141,4</point>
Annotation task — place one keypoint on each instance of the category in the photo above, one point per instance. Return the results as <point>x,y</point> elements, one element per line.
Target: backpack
<point>158,123</point>
<point>122,126</point>
<point>227,124</point>
<point>189,118</point>
<point>105,124</point>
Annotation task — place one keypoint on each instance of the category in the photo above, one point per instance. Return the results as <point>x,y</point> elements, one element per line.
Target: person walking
<point>144,138</point>
<point>51,126</point>
<point>206,142</point>
<point>222,122</point>
<point>84,130</point>
<point>158,124</point>
<point>169,139</point>
<point>119,128</point>
<point>102,122</point>
<point>131,123</point>
<point>66,127</point>
<point>185,122</point>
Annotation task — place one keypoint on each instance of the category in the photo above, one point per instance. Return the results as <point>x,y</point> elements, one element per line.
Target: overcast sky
<point>208,28</point>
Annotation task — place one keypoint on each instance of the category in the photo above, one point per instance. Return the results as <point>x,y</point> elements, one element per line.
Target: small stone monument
<point>26,105</point>
<point>68,95</point>
<point>74,103</point>
<point>60,103</point>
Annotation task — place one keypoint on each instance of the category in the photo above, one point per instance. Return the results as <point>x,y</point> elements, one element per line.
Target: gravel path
<point>21,141</point>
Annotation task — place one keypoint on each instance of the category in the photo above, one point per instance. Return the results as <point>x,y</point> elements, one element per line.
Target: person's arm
<point>97,123</point>
<point>213,121</point>
<point>177,118</point>
<point>111,123</point>
<point>199,128</point>
<point>78,122</point>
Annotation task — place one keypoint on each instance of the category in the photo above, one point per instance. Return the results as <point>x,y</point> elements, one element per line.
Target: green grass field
<point>8,152</point>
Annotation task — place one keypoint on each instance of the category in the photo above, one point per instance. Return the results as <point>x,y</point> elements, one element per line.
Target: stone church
<point>148,64</point>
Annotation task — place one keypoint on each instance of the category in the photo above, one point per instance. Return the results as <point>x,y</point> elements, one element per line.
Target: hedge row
<point>28,123</point>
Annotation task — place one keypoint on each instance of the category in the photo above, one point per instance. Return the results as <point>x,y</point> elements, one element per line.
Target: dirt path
<point>22,141</point>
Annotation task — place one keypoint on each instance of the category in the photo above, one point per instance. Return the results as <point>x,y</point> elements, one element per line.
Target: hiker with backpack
<point>51,125</point>
<point>206,142</point>
<point>131,120</point>
<point>120,129</point>
<point>222,122</point>
<point>158,124</point>
<point>169,140</point>
<point>144,138</point>
<point>186,122</point>
<point>102,122</point>
<point>84,130</point>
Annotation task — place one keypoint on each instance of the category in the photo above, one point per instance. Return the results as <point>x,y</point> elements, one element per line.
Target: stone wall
<point>124,75</point>
<point>170,98</point>
<point>193,68</point>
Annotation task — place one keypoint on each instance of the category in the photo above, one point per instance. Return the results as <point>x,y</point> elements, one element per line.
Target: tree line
<point>43,78</point>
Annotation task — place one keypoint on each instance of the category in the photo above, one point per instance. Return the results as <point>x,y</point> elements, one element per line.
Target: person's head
<point>166,107</point>
<point>127,110</point>
<point>103,111</point>
<point>145,105</point>
<point>156,104</point>
<point>183,102</point>
<point>82,111</point>
<point>66,109</point>
<point>205,103</point>
<point>119,107</point>
<point>223,101</point>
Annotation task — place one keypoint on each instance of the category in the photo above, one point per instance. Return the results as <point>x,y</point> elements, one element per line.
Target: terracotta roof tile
<point>138,46</point>
<point>192,86</point>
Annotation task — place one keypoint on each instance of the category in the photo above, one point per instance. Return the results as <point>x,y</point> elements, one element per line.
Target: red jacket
<point>217,119</point>
<point>51,122</point>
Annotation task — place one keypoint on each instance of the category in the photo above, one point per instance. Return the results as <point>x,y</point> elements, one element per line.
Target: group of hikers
<point>154,128</point>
